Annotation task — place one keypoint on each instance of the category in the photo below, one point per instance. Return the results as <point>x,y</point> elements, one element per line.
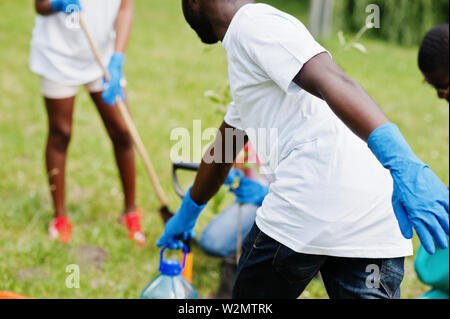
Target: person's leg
<point>123,149</point>
<point>270,270</point>
<point>59,113</point>
<point>227,277</point>
<point>219,238</point>
<point>358,278</point>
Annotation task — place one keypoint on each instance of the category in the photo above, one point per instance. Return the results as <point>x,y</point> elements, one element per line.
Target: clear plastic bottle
<point>170,283</point>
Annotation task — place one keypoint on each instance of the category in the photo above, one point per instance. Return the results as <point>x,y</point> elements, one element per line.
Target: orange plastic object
<point>188,269</point>
<point>11,295</point>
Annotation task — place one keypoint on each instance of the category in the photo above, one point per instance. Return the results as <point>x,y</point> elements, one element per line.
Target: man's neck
<point>222,13</point>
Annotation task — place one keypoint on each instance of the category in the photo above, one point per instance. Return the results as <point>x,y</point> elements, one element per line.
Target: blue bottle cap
<point>170,267</point>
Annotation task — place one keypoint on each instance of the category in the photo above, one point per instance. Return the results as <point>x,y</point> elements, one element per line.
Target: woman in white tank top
<point>62,58</point>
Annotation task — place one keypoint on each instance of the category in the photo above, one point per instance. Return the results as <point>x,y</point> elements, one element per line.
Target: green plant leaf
<point>342,40</point>
<point>360,47</point>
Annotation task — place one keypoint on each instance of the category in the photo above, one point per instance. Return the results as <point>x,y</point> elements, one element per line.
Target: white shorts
<point>54,90</point>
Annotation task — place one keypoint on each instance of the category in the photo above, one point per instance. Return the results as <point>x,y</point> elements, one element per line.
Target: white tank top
<point>59,49</point>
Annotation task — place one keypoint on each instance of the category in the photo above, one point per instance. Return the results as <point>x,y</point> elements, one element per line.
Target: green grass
<point>168,70</point>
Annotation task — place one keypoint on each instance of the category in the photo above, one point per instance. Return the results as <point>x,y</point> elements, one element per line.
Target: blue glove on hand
<point>420,199</point>
<point>233,176</point>
<point>250,192</point>
<point>114,88</point>
<point>181,225</point>
<point>67,6</point>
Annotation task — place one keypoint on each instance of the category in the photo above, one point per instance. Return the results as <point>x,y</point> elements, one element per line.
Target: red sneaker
<point>60,228</point>
<point>132,221</point>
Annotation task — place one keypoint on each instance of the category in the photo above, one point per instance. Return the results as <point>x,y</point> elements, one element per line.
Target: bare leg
<point>59,113</point>
<point>123,149</point>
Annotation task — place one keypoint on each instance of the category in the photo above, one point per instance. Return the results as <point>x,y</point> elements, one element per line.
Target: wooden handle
<point>239,235</point>
<point>128,121</point>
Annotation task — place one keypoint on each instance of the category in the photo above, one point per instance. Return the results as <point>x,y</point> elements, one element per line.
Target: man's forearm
<point>124,23</point>
<point>211,176</point>
<point>345,96</point>
<point>361,120</point>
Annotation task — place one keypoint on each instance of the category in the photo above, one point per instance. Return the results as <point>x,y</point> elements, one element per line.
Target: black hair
<point>433,53</point>
<point>199,22</point>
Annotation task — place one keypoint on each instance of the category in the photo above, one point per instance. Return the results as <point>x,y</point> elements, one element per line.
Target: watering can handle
<point>185,249</point>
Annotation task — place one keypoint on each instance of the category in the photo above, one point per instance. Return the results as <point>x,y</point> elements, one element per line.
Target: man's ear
<point>195,4</point>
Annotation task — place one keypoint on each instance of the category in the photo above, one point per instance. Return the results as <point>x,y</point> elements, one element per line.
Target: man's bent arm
<point>420,199</point>
<point>322,77</point>
<point>211,176</point>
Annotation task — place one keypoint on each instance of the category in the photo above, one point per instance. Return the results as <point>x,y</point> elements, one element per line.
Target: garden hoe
<point>193,167</point>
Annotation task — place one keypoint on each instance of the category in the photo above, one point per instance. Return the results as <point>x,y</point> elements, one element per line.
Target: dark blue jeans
<point>270,270</point>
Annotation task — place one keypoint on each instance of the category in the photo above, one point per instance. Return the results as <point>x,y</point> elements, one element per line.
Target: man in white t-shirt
<point>333,207</point>
<point>63,59</point>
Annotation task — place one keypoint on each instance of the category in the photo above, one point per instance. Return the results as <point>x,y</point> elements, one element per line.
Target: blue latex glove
<point>181,225</point>
<point>67,6</point>
<point>233,176</point>
<point>420,199</point>
<point>250,192</point>
<point>114,88</point>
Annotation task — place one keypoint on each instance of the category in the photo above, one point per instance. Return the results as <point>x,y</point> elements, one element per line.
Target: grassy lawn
<point>168,70</point>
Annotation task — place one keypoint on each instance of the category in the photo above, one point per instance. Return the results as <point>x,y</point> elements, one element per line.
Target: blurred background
<point>168,72</point>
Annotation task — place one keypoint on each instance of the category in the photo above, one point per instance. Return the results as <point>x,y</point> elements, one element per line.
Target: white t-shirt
<point>330,196</point>
<point>60,50</point>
